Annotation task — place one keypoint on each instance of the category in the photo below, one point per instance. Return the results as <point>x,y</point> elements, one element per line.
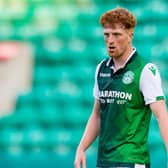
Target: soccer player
<point>127,90</point>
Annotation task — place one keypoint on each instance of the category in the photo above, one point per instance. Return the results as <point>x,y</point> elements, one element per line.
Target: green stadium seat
<point>11,139</point>
<point>44,75</point>
<point>12,159</point>
<point>154,12</point>
<point>63,140</point>
<point>152,31</point>
<point>87,95</point>
<point>50,115</point>
<point>33,138</point>
<point>91,33</point>
<point>65,30</point>
<point>75,115</point>
<point>48,121</point>
<point>21,118</point>
<point>90,14</point>
<point>99,51</point>
<point>27,98</point>
<point>76,74</point>
<point>31,159</point>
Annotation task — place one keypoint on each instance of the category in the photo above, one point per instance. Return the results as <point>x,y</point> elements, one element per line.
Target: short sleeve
<point>150,84</point>
<point>96,88</point>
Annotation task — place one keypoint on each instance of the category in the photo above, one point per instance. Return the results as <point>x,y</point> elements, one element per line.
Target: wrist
<point>80,148</point>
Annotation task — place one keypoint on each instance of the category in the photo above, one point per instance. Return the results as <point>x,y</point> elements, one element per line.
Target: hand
<point>80,159</point>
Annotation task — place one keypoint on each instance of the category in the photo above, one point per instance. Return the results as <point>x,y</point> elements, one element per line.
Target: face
<point>118,40</point>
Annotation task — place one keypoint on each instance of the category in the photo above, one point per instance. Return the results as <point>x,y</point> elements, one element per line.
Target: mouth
<point>111,48</point>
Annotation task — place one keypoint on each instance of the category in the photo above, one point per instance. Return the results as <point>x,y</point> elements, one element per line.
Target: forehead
<point>114,27</point>
<point>112,30</point>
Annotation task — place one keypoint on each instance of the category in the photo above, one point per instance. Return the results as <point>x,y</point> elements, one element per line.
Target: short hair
<point>118,15</point>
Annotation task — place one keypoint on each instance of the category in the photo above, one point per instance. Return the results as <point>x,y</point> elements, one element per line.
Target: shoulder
<point>150,68</point>
<point>143,64</point>
<point>150,73</point>
<point>103,62</point>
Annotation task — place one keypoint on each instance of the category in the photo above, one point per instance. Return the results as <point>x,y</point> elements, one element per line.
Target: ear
<point>131,33</point>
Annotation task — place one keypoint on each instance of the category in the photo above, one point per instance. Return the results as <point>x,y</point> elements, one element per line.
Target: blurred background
<point>49,50</point>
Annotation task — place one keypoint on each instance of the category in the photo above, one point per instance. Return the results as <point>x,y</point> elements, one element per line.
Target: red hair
<point>118,15</point>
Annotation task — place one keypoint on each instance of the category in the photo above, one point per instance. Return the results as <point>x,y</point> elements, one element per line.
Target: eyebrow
<point>106,33</point>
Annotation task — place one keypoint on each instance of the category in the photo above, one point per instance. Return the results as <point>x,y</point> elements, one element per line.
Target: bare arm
<point>90,134</point>
<point>160,112</point>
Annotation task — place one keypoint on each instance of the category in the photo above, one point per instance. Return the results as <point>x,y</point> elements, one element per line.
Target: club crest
<point>128,77</point>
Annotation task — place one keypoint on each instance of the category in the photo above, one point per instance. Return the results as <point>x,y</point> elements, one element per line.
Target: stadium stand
<point>47,122</point>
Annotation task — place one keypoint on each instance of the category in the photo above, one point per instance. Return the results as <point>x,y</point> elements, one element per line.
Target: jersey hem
<point>120,165</point>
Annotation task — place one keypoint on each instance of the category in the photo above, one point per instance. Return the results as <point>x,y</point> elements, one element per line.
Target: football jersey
<point>125,114</point>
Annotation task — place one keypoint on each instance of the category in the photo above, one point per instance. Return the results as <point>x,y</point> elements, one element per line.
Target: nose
<point>111,39</point>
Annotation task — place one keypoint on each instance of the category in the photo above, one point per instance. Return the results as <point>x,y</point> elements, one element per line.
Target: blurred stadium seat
<point>47,122</point>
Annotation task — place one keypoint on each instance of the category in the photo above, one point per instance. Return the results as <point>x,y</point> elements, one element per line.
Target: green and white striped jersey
<point>125,114</point>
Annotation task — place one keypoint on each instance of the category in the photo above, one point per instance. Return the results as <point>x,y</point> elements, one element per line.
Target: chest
<point>122,80</point>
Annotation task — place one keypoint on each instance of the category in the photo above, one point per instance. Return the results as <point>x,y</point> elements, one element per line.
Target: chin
<point>112,55</point>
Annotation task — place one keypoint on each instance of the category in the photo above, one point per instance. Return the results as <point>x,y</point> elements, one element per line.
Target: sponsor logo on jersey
<point>115,94</point>
<point>128,77</point>
<point>105,74</point>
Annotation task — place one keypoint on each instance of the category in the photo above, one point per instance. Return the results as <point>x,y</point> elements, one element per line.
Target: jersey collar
<point>110,61</point>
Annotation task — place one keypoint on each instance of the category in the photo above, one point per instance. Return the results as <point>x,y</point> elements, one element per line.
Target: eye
<point>106,35</point>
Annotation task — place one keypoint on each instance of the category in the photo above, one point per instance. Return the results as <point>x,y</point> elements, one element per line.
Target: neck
<point>120,61</point>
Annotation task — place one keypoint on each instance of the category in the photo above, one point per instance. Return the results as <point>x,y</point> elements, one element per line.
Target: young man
<point>127,89</point>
